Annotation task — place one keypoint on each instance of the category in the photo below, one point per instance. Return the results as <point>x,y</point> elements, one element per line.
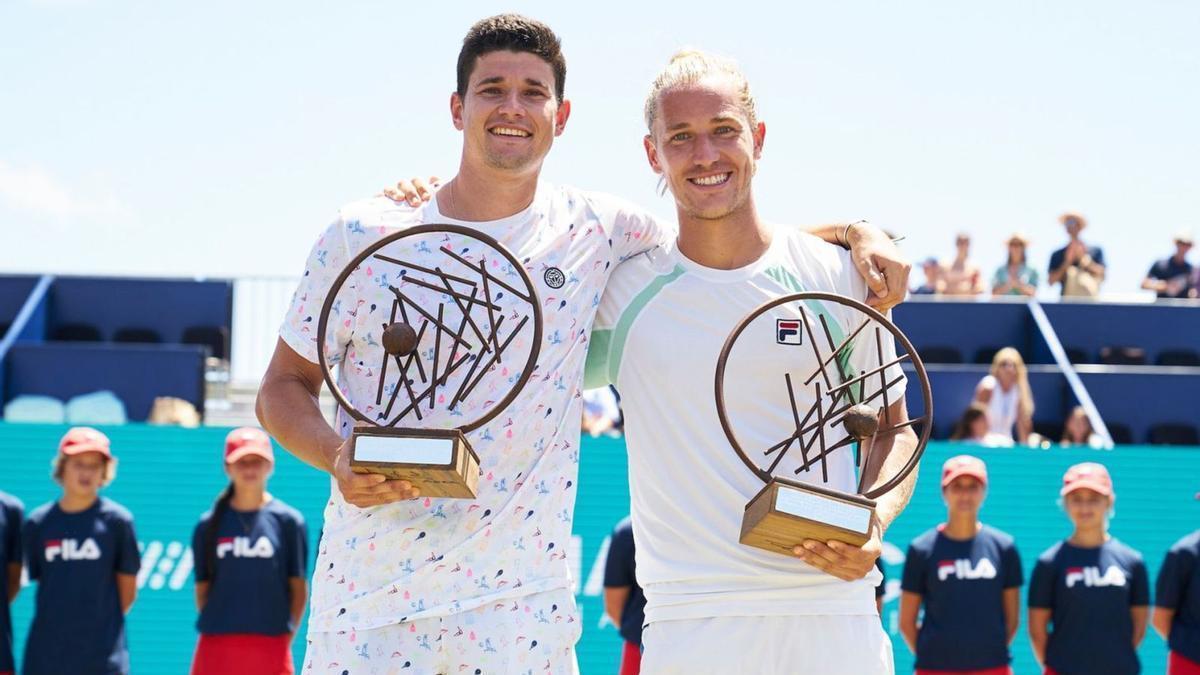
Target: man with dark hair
<point>514,33</point>
<point>483,585</point>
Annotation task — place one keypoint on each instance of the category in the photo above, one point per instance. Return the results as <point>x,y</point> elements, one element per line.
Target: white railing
<point>259,304</point>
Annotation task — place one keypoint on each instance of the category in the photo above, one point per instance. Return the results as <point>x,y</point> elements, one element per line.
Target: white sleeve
<point>631,229</point>
<point>328,257</point>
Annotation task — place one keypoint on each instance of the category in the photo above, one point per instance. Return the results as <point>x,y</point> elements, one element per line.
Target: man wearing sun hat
<point>1177,605</point>
<point>1079,267</point>
<point>82,552</point>
<point>967,575</point>
<point>1171,277</point>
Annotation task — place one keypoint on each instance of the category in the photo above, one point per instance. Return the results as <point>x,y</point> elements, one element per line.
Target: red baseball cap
<point>1090,476</point>
<point>79,440</point>
<point>248,441</point>
<point>964,465</point>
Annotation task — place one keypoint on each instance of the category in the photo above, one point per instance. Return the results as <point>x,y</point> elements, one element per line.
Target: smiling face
<point>509,115</point>
<point>705,146</point>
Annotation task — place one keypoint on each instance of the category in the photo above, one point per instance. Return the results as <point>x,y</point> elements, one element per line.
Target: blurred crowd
<point>1078,268</point>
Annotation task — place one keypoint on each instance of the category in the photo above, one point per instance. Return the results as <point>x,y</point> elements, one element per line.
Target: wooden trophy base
<point>438,462</point>
<point>785,513</point>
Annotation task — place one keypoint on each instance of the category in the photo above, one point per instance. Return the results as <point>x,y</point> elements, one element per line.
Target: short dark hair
<point>512,32</point>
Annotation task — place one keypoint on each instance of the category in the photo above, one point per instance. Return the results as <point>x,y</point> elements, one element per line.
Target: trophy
<point>824,375</point>
<point>448,321</point>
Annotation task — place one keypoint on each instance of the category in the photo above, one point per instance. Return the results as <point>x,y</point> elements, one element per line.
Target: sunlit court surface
<point>367,338</point>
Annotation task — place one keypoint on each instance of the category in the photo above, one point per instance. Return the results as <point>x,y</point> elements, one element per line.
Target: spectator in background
<point>973,427</point>
<point>933,278</point>
<point>1077,430</point>
<point>1093,589</point>
<point>1005,392</point>
<point>967,576</point>
<point>1172,277</point>
<point>1077,266</point>
<point>1016,277</point>
<point>1177,605</point>
<point>83,553</point>
<point>623,599</point>
<point>962,277</point>
<point>601,412</point>
<point>250,545</point>
<point>11,515</point>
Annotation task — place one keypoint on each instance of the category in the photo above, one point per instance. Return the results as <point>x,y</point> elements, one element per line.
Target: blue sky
<point>216,139</point>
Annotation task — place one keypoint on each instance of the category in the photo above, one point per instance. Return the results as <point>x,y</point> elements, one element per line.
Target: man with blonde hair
<point>481,585</point>
<point>714,605</point>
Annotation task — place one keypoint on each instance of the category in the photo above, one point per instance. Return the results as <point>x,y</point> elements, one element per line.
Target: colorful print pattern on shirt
<point>432,557</point>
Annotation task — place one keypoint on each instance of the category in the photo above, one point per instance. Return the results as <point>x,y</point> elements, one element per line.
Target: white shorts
<point>534,633</point>
<point>768,645</point>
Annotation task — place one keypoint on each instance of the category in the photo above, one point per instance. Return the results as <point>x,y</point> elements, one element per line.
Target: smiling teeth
<point>505,131</point>
<point>712,180</point>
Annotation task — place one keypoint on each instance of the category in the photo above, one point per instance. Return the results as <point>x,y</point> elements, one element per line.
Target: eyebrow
<point>716,120</point>
<point>498,79</point>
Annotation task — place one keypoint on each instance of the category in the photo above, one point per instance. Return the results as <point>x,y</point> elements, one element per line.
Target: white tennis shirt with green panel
<point>659,332</point>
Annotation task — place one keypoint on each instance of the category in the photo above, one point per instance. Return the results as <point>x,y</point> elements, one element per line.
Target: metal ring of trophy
<point>400,340</point>
<point>859,419</point>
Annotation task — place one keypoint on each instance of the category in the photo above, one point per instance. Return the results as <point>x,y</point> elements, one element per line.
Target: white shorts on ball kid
<point>768,645</point>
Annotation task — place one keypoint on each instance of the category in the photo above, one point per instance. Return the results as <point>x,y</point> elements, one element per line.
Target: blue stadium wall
<point>168,476</point>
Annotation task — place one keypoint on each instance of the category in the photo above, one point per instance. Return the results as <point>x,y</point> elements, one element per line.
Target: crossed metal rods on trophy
<point>496,348</point>
<point>835,392</point>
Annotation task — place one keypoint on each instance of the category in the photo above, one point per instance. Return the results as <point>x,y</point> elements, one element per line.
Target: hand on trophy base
<point>787,513</point>
<point>435,462</point>
<point>368,489</point>
<point>841,560</point>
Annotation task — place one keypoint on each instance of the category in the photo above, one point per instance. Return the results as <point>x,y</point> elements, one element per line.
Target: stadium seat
<point>1121,435</point>
<point>1174,434</point>
<point>1123,356</point>
<point>1076,355</point>
<point>940,354</point>
<point>76,332</point>
<point>986,354</point>
<point>216,338</point>
<point>1049,429</point>
<point>137,335</point>
<point>1178,357</point>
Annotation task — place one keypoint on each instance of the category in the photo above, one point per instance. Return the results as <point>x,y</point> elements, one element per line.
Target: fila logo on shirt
<point>787,332</point>
<point>241,547</point>
<point>1091,577</point>
<point>72,549</point>
<point>963,569</point>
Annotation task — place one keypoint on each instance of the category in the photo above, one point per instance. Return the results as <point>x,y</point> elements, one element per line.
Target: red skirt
<point>1178,664</point>
<point>631,659</point>
<point>243,654</point>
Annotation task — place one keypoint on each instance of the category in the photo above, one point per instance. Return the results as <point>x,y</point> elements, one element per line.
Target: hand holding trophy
<point>831,406</point>
<point>461,341</point>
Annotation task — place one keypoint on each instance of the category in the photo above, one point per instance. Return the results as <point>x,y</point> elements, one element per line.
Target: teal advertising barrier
<point>168,476</point>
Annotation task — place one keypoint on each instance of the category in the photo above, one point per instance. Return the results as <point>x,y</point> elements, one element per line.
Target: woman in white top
<point>1005,392</point>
